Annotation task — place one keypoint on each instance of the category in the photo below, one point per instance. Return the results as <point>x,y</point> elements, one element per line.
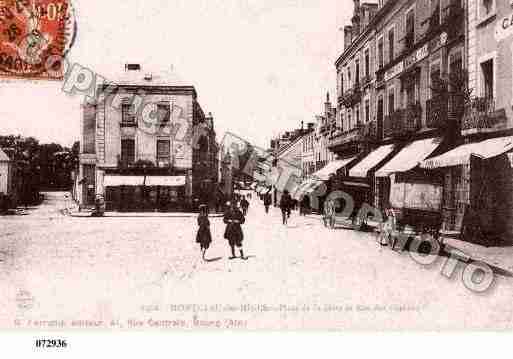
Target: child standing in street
<point>203,237</point>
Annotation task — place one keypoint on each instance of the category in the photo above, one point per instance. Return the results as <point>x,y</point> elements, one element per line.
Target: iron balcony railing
<point>479,114</point>
<point>452,18</point>
<point>352,96</point>
<point>361,133</point>
<point>403,122</point>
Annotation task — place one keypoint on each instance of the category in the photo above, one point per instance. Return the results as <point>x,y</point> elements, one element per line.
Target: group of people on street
<point>234,218</point>
<point>286,204</point>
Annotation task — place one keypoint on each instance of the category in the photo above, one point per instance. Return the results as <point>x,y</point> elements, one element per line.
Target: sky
<point>261,67</point>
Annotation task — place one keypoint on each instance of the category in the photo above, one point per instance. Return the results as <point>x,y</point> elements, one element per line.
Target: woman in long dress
<point>203,237</point>
<point>233,218</point>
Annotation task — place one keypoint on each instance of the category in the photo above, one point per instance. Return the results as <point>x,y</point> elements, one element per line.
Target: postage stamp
<point>33,34</point>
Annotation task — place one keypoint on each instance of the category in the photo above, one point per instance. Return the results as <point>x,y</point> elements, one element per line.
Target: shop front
<point>360,181</point>
<point>321,183</point>
<point>480,209</point>
<point>413,195</point>
<point>145,193</point>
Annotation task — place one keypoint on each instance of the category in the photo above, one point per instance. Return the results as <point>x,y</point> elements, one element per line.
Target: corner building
<point>158,155</point>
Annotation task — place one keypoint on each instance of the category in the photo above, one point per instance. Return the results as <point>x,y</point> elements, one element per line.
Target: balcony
<point>369,131</point>
<point>452,18</point>
<point>352,96</point>
<point>480,116</point>
<point>380,78</point>
<point>324,128</point>
<point>451,21</point>
<point>360,134</point>
<point>436,112</point>
<point>403,122</point>
<point>433,23</point>
<point>366,81</point>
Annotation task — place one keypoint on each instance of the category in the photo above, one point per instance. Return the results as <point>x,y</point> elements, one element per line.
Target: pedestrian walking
<point>203,237</point>
<point>267,202</point>
<point>233,218</point>
<point>329,213</point>
<point>285,204</point>
<point>244,204</point>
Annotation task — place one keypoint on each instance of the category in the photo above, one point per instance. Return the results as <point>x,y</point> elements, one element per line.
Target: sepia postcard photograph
<point>252,165</point>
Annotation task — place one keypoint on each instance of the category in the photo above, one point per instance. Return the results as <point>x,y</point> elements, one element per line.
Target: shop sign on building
<point>394,71</point>
<point>415,57</point>
<point>418,55</point>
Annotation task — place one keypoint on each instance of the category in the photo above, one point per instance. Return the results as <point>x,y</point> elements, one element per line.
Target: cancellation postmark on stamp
<point>34,35</point>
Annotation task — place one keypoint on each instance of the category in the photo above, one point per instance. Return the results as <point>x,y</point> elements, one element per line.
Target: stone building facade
<point>397,103</point>
<point>147,144</point>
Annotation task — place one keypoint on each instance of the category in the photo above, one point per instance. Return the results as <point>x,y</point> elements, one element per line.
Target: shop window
<point>487,78</point>
<point>357,115</point>
<point>127,151</point>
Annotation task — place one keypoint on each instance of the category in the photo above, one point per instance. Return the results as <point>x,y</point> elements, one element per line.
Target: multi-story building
<point>325,127</point>
<point>480,170</point>
<point>147,144</point>
<point>400,100</point>
<point>308,159</point>
<point>286,170</point>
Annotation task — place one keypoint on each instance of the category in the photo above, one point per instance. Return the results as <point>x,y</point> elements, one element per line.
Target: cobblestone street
<point>56,269</point>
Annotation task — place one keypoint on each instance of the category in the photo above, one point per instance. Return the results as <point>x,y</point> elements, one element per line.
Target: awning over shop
<point>116,181</point>
<point>331,168</point>
<point>461,155</point>
<point>313,186</point>
<point>356,184</point>
<point>409,157</point>
<point>165,181</point>
<point>308,186</point>
<point>371,161</point>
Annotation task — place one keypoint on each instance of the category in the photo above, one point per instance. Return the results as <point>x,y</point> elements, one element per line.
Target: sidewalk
<point>87,214</point>
<point>501,257</point>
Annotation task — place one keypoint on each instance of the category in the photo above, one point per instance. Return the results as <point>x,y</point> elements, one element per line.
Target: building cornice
<point>159,89</point>
<point>368,29</point>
